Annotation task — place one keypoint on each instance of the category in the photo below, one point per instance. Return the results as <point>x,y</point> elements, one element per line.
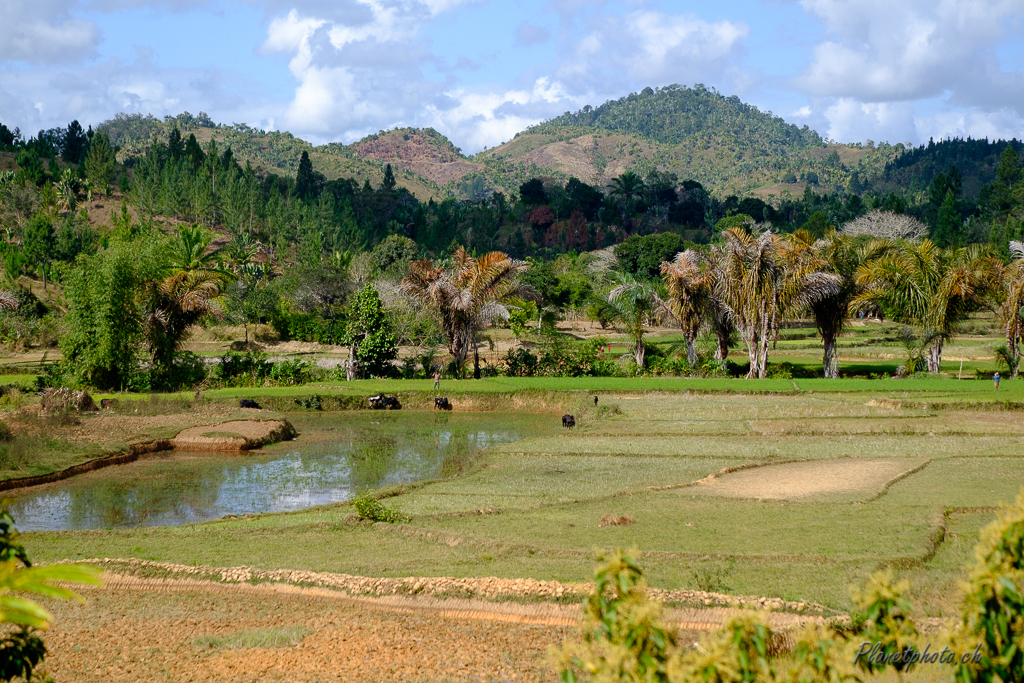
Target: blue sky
<point>481,70</point>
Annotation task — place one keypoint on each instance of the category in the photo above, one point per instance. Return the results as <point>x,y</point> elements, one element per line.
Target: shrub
<point>186,370</point>
<point>623,637</point>
<point>520,363</point>
<point>250,369</point>
<point>783,370</point>
<point>372,509</point>
<point>291,372</point>
<point>884,612</point>
<point>5,432</point>
<point>995,601</point>
<point>311,402</point>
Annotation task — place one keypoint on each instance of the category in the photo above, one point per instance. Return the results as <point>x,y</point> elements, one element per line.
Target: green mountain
<point>696,133</point>
<point>676,114</point>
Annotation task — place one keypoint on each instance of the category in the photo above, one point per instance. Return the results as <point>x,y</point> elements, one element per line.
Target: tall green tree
<point>74,143</point>
<point>1008,171</point>
<point>389,179</point>
<point>304,181</point>
<point>105,318</point>
<point>948,224</point>
<point>371,341</point>
<point>38,244</point>
<point>841,255</point>
<point>100,163</point>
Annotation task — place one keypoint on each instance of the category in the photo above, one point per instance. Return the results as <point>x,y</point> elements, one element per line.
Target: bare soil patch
<point>236,435</point>
<point>801,480</point>
<point>134,636</point>
<point>143,629</point>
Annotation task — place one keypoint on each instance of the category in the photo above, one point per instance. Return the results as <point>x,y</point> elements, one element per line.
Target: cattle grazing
<point>442,404</point>
<point>382,402</point>
<point>568,422</point>
<point>248,403</point>
<point>108,403</point>
<point>595,401</point>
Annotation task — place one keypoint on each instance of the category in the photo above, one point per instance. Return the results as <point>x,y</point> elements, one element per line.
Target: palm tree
<point>626,188</point>
<point>841,255</point>
<point>930,288</point>
<point>466,294</point>
<point>1011,301</point>
<point>690,293</point>
<point>634,303</point>
<point>187,292</point>
<point>759,285</point>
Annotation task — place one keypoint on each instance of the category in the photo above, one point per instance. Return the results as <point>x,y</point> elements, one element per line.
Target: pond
<point>336,456</point>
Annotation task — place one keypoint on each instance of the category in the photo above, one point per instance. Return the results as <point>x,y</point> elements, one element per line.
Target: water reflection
<point>181,488</point>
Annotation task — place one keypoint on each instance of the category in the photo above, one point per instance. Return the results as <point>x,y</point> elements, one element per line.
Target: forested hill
<point>674,113</point>
<point>913,172</point>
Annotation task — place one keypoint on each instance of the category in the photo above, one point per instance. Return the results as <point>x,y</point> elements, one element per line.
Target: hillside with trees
<point>184,221</point>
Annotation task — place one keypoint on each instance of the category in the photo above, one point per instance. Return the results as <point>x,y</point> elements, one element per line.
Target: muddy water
<point>336,456</point>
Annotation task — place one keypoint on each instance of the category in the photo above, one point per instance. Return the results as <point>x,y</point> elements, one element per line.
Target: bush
<point>995,601</point>
<point>291,372</point>
<point>187,370</point>
<point>250,369</point>
<point>783,370</point>
<point>520,363</point>
<point>372,509</point>
<point>5,432</point>
<point>311,402</point>
<point>308,327</point>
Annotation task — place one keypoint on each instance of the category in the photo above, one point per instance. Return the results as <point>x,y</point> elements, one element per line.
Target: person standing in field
<point>995,380</point>
<point>437,379</point>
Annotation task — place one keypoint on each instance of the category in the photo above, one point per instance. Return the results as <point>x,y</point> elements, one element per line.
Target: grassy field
<point>844,482</point>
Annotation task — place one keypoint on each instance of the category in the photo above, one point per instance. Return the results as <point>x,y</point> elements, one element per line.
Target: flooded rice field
<point>335,457</point>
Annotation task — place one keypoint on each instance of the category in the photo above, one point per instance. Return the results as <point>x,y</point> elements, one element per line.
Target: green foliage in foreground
<point>994,608</point>
<point>21,650</point>
<point>625,641</point>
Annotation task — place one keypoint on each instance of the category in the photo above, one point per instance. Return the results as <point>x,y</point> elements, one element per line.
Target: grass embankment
<point>42,443</point>
<point>885,483</point>
<point>48,444</point>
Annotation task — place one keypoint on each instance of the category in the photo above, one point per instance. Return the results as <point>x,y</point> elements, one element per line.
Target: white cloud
<point>44,32</point>
<point>885,51</point>
<point>851,120</point>
<point>486,119</point>
<point>52,96</point>
<point>651,48</point>
<point>996,125</point>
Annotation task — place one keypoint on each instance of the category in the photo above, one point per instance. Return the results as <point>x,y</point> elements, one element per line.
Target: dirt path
<point>537,613</point>
<point>129,636</point>
<point>190,628</point>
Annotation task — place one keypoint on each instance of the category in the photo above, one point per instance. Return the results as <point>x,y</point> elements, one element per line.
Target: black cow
<point>248,403</point>
<point>382,402</point>
<point>108,403</point>
<point>442,404</point>
<point>568,422</point>
<point>595,401</point>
